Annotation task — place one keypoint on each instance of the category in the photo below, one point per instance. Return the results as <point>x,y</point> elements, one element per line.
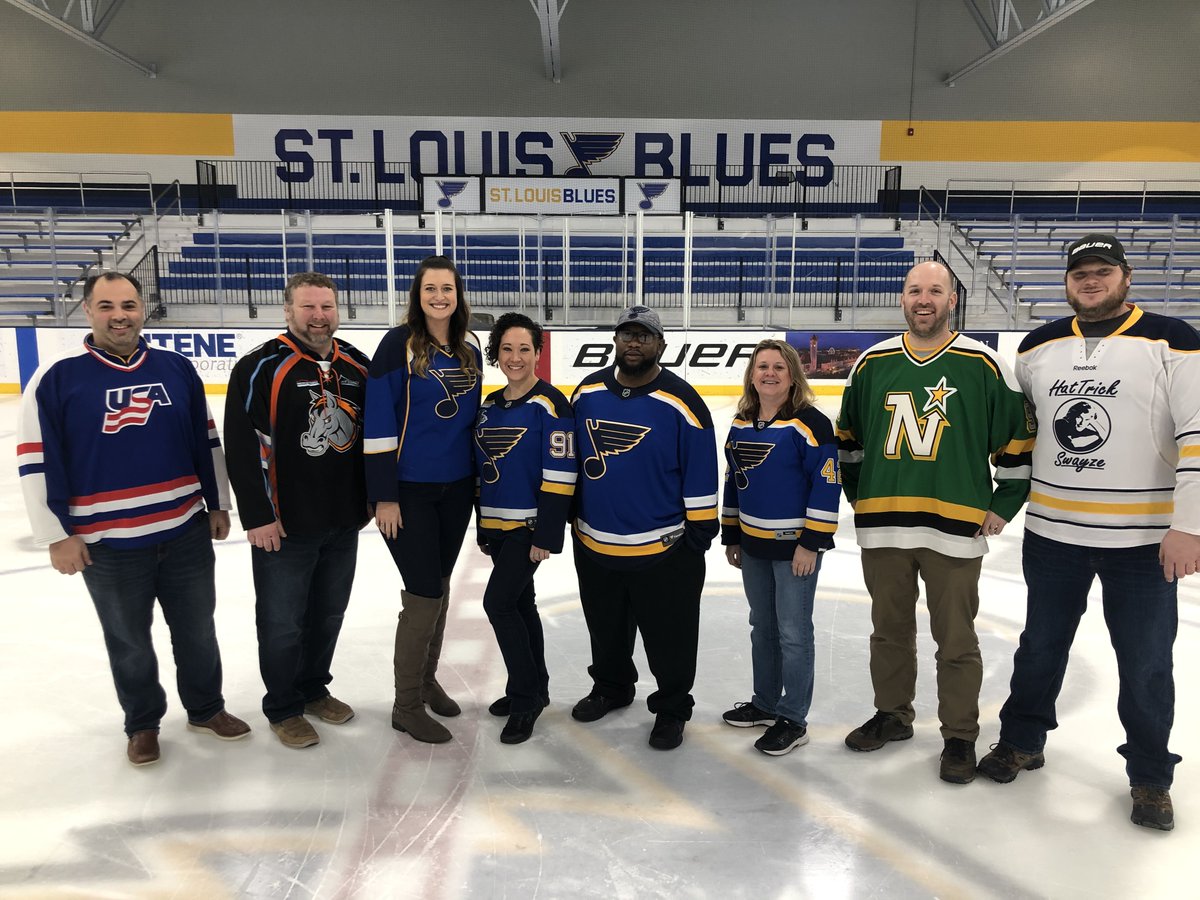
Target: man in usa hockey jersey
<point>922,415</point>
<point>647,512</point>
<point>1115,496</point>
<point>124,480</point>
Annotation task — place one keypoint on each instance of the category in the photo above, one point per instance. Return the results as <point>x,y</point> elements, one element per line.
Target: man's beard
<point>935,326</point>
<point>636,370</point>
<point>1109,309</point>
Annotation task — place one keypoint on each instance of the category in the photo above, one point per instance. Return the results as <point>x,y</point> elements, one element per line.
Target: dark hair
<point>422,342</point>
<point>505,322</point>
<point>799,397</point>
<point>307,279</point>
<point>90,284</point>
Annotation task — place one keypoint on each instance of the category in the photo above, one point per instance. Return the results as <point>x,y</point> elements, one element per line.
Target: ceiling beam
<point>548,13</point>
<point>1005,22</point>
<point>88,20</point>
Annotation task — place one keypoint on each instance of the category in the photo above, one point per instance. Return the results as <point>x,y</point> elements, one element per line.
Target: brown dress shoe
<point>223,726</point>
<point>295,732</point>
<point>143,748</point>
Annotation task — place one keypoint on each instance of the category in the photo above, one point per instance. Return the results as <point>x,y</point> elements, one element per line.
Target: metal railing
<point>47,187</point>
<point>723,191</point>
<point>1059,198</point>
<point>552,269</point>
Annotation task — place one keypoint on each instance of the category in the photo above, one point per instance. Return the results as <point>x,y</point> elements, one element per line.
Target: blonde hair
<point>799,397</point>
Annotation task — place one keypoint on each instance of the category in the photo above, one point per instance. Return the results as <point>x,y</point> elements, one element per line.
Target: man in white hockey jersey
<point>1116,495</point>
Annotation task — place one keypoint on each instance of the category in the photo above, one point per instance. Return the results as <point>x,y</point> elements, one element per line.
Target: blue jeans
<point>781,635</point>
<point>1141,612</point>
<point>301,593</point>
<point>123,585</point>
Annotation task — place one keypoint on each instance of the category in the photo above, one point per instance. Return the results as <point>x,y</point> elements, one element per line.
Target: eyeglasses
<point>629,336</point>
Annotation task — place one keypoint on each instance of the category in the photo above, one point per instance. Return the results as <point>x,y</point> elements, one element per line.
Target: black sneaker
<point>596,706</point>
<point>877,731</point>
<point>1152,807</point>
<point>503,707</point>
<point>782,737</point>
<point>958,761</point>
<point>1004,762</point>
<point>667,733</point>
<point>519,727</point>
<point>746,715</point>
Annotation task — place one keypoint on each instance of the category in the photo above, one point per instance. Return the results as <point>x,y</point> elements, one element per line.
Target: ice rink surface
<point>578,810</point>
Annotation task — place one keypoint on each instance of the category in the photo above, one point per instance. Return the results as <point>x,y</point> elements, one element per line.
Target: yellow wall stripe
<point>1173,142</point>
<point>141,134</point>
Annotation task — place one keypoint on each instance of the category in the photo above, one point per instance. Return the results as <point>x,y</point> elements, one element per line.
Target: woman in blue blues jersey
<point>423,395</point>
<point>779,513</point>
<point>525,458</point>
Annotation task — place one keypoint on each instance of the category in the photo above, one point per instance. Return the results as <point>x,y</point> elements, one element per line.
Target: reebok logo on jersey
<point>132,405</point>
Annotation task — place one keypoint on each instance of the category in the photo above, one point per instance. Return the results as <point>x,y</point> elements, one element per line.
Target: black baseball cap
<point>1101,246</point>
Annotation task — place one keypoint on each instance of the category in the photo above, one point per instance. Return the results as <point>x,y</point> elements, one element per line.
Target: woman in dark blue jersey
<point>422,398</point>
<point>779,513</point>
<point>525,457</point>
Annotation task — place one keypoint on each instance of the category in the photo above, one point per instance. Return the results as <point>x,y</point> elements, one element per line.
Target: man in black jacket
<point>293,432</point>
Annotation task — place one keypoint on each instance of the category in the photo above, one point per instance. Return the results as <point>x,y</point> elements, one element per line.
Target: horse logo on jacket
<point>332,422</point>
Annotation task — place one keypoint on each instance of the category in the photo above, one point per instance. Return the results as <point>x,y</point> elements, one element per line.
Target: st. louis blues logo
<point>455,382</point>
<point>610,439</point>
<point>747,455</point>
<point>590,147</point>
<point>450,190</point>
<point>496,443</point>
<point>651,190</point>
<point>132,405</point>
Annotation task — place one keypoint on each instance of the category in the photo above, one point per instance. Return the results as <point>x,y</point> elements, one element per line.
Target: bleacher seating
<point>728,270</point>
<point>1165,256</point>
<point>40,259</point>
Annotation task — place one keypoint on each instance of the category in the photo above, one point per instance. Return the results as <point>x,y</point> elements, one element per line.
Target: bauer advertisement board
<point>714,362</point>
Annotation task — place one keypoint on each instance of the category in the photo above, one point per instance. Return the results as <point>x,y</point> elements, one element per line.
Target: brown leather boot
<point>431,692</point>
<point>414,631</point>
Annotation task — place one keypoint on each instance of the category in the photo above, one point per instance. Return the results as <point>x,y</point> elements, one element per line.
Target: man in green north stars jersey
<point>922,415</point>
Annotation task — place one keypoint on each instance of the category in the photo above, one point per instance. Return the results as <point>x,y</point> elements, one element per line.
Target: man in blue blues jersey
<point>647,512</point>
<point>124,481</point>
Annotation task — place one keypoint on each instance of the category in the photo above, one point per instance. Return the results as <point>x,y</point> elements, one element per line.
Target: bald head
<point>927,299</point>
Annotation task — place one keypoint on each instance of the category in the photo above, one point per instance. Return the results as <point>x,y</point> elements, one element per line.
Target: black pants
<point>435,518</point>
<point>511,607</point>
<point>663,602</point>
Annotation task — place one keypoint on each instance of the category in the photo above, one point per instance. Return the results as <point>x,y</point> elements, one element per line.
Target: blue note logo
<point>651,190</point>
<point>450,190</point>
<point>590,147</point>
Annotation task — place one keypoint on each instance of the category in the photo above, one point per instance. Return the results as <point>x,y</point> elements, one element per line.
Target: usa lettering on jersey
<point>127,406</point>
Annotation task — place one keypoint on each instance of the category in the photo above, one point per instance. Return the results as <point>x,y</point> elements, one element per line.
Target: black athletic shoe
<point>502,708</point>
<point>596,706</point>
<point>781,738</point>
<point>747,715</point>
<point>667,733</point>
<point>519,727</point>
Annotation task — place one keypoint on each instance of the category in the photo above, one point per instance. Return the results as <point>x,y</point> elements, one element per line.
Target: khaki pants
<point>952,594</point>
